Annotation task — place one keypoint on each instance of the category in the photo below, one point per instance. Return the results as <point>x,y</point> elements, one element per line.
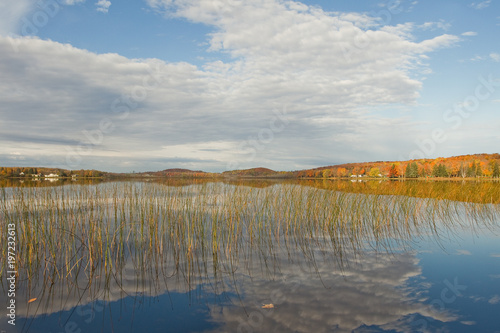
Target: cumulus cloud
<point>320,66</point>
<point>72,2</point>
<point>103,6</point>
<point>469,33</point>
<point>481,5</point>
<point>494,300</point>
<point>435,25</point>
<point>495,56</point>
<point>477,58</point>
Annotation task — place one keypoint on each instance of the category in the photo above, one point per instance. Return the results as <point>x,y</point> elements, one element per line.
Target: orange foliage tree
<point>393,171</point>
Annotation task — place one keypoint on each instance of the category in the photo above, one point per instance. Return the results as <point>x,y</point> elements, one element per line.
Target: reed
<point>82,237</point>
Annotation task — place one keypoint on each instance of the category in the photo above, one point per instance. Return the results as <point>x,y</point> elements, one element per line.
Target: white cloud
<point>494,300</point>
<point>477,58</point>
<point>322,65</point>
<point>397,6</point>
<point>481,5</point>
<point>469,33</point>
<point>435,25</point>
<point>495,57</point>
<point>430,45</point>
<point>71,2</point>
<point>492,56</point>
<point>103,5</point>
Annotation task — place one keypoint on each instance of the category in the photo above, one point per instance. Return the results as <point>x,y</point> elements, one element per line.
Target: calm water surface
<point>322,257</point>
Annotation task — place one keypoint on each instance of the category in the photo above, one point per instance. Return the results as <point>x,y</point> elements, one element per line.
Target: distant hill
<point>254,172</point>
<point>175,173</point>
<point>169,171</point>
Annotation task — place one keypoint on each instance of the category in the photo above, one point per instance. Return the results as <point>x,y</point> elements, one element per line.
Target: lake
<point>252,256</point>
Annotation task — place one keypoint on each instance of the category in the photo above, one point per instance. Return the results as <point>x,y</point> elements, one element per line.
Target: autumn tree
<point>479,169</point>
<point>425,171</point>
<point>463,170</point>
<point>393,172</point>
<point>374,172</point>
<point>435,170</point>
<point>495,170</point>
<point>471,170</point>
<point>411,170</point>
<point>439,170</point>
<point>342,172</point>
<point>454,170</point>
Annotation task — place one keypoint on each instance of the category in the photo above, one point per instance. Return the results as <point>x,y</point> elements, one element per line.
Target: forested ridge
<point>465,166</point>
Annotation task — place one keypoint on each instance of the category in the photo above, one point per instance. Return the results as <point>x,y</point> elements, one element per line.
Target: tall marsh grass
<point>82,237</point>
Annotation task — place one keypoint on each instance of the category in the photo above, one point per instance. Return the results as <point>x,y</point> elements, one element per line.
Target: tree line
<point>467,166</point>
<point>29,172</point>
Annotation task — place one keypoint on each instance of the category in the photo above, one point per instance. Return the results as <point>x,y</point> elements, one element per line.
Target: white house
<point>52,175</point>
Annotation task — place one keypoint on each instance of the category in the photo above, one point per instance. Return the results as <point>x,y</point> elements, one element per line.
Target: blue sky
<point>226,84</point>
